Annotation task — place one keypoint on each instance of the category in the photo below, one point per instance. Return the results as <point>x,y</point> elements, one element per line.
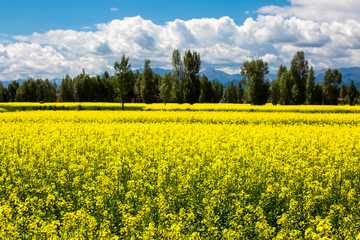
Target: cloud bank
<point>318,10</point>
<point>222,44</point>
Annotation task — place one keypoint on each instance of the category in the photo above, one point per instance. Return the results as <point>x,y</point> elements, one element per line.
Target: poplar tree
<point>177,91</point>
<point>286,83</point>
<point>239,93</point>
<point>352,92</point>
<point>147,83</point>
<point>343,90</point>
<point>282,69</point>
<point>230,93</point>
<point>165,87</point>
<point>137,84</point>
<point>330,84</point>
<point>13,87</point>
<point>2,91</point>
<point>257,87</point>
<point>66,90</point>
<point>299,72</point>
<point>192,65</point>
<point>310,85</point>
<point>122,80</point>
<point>275,92</point>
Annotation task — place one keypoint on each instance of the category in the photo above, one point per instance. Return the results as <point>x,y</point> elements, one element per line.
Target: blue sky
<point>25,17</point>
<point>51,38</point>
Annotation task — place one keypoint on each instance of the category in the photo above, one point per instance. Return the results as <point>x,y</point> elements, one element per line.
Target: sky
<point>48,39</point>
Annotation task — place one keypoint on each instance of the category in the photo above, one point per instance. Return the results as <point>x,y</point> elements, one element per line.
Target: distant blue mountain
<point>159,71</point>
<point>219,75</point>
<point>211,74</point>
<point>348,74</point>
<point>226,78</point>
<point>20,81</point>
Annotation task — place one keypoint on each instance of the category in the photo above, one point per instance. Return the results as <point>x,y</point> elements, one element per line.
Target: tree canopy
<point>123,78</point>
<point>184,84</point>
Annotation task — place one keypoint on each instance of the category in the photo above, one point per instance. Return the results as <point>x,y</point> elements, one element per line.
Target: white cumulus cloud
<point>22,59</point>
<point>269,58</point>
<point>318,10</point>
<point>221,43</point>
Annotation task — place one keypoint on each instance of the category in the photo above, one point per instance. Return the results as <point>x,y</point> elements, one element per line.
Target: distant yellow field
<point>182,107</point>
<point>180,174</point>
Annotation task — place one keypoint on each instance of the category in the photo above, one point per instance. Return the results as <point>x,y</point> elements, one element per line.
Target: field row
<point>106,178</point>
<point>179,107</point>
<point>242,118</point>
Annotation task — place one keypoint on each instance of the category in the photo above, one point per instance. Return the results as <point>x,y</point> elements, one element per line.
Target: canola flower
<point>179,175</point>
<point>23,106</point>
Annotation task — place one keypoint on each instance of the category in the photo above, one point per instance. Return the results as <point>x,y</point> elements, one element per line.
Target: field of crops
<point>202,174</point>
<point>21,106</point>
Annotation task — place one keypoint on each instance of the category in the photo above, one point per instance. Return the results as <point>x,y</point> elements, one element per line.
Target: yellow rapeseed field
<point>180,174</point>
<point>21,106</point>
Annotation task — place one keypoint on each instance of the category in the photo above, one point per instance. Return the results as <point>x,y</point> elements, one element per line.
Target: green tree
<point>330,84</point>
<point>258,90</point>
<point>318,92</point>
<point>343,90</point>
<point>257,87</point>
<point>50,90</point>
<point>230,93</point>
<point>352,92</point>
<point>27,91</point>
<point>147,83</point>
<point>299,72</point>
<point>206,87</point>
<point>165,87</point>
<point>137,84</point>
<point>13,87</point>
<point>258,67</point>
<point>122,80</point>
<point>202,96</point>
<point>246,93</point>
<point>275,91</point>
<point>100,89</point>
<point>282,69</point>
<point>107,82</point>
<point>177,91</point>
<point>286,84</point>
<point>2,92</point>
<point>46,90</point>
<point>310,85</point>
<point>218,89</point>
<point>66,89</point>
<point>192,65</point>
<point>239,93</point>
<point>41,89</point>
<point>83,89</point>
<point>295,92</point>
<point>156,82</point>
<point>6,95</point>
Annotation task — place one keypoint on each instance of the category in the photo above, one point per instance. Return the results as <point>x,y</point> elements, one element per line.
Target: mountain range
<point>348,74</point>
<point>212,74</point>
<point>20,81</point>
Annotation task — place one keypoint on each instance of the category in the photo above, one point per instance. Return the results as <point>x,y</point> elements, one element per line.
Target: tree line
<point>184,85</point>
<point>297,85</point>
<point>29,91</point>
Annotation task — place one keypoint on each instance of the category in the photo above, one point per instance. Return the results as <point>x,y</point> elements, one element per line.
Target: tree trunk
<point>122,102</point>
